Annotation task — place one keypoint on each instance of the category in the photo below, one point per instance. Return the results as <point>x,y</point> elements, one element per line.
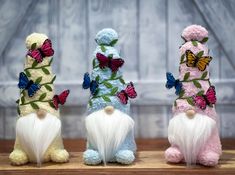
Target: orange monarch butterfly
<point>195,61</point>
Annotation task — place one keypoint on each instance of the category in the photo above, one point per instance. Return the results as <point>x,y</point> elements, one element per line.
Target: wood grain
<point>147,162</point>
<point>152,39</point>
<point>79,145</point>
<point>150,160</point>
<point>208,9</point>
<point>11,21</point>
<point>149,42</point>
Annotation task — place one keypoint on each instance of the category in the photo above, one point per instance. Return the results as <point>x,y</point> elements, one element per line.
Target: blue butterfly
<point>29,85</point>
<point>87,83</point>
<point>172,82</point>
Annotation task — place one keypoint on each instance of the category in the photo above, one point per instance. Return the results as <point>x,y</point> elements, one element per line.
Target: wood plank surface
<point>150,160</point>
<point>79,145</point>
<point>147,162</point>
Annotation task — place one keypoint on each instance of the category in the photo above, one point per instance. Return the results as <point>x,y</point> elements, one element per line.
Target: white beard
<point>35,135</point>
<point>107,132</point>
<point>190,135</point>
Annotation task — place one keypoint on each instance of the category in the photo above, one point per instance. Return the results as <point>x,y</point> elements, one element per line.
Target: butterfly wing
<point>23,80</point>
<point>47,48</point>
<point>33,88</point>
<point>115,64</point>
<point>103,60</point>
<point>191,59</point>
<point>200,102</point>
<point>36,55</point>
<point>178,87</point>
<point>170,80</point>
<point>203,62</point>
<point>86,81</point>
<point>93,87</point>
<point>130,90</point>
<point>63,96</point>
<point>56,101</point>
<point>211,95</point>
<point>122,97</point>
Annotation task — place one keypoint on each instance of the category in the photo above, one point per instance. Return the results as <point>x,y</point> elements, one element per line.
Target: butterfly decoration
<point>88,83</point>
<point>60,99</point>
<point>45,50</point>
<point>208,99</point>
<point>172,82</point>
<point>113,64</point>
<point>194,61</point>
<point>129,92</point>
<point>29,85</point>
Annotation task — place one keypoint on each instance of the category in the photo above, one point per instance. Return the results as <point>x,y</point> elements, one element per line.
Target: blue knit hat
<point>107,82</point>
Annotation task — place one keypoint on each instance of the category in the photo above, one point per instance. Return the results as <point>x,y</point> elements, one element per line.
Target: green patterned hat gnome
<point>109,126</point>
<point>38,129</point>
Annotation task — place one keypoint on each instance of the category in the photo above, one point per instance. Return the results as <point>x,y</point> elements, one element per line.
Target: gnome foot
<point>59,155</point>
<point>173,155</point>
<point>125,157</point>
<point>91,157</point>
<point>18,157</point>
<point>208,158</point>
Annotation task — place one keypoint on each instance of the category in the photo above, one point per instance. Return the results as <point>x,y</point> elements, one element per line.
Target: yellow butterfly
<point>195,61</point>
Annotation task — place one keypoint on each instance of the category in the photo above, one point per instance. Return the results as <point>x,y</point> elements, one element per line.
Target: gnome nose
<point>109,109</point>
<point>41,113</point>
<point>190,113</point>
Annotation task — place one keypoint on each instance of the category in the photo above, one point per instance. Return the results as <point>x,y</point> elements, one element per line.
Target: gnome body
<point>193,131</point>
<point>38,128</point>
<point>110,135</point>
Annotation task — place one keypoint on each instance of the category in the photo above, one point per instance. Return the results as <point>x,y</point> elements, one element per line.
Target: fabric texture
<point>194,82</point>
<point>108,133</point>
<point>34,143</point>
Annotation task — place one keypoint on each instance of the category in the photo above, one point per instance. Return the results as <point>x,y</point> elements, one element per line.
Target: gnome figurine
<point>110,135</point>
<point>38,128</point>
<point>193,130</point>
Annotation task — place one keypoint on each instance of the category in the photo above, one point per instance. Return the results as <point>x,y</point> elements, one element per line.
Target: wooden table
<point>150,160</point>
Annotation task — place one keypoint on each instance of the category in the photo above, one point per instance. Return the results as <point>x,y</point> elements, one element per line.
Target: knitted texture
<point>105,83</point>
<point>109,82</point>
<point>40,73</point>
<point>196,81</point>
<point>193,82</point>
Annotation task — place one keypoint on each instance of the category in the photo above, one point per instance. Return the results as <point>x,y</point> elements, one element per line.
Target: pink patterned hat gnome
<point>193,130</point>
<point>38,127</point>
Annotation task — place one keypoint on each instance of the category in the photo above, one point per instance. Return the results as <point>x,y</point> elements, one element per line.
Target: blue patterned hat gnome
<point>38,128</point>
<point>109,127</point>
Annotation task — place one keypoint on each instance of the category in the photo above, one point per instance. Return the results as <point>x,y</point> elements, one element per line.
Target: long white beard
<point>107,132</point>
<point>35,135</point>
<point>190,134</point>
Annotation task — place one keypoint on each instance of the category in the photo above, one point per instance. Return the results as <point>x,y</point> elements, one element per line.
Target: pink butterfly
<point>45,50</point>
<point>128,92</point>
<point>113,64</point>
<point>208,99</point>
<point>60,99</point>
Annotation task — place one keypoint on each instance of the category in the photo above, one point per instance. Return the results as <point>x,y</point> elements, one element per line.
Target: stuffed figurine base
<point>193,129</point>
<point>110,128</point>
<point>197,131</point>
<point>106,134</point>
<point>31,144</point>
<point>38,127</point>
